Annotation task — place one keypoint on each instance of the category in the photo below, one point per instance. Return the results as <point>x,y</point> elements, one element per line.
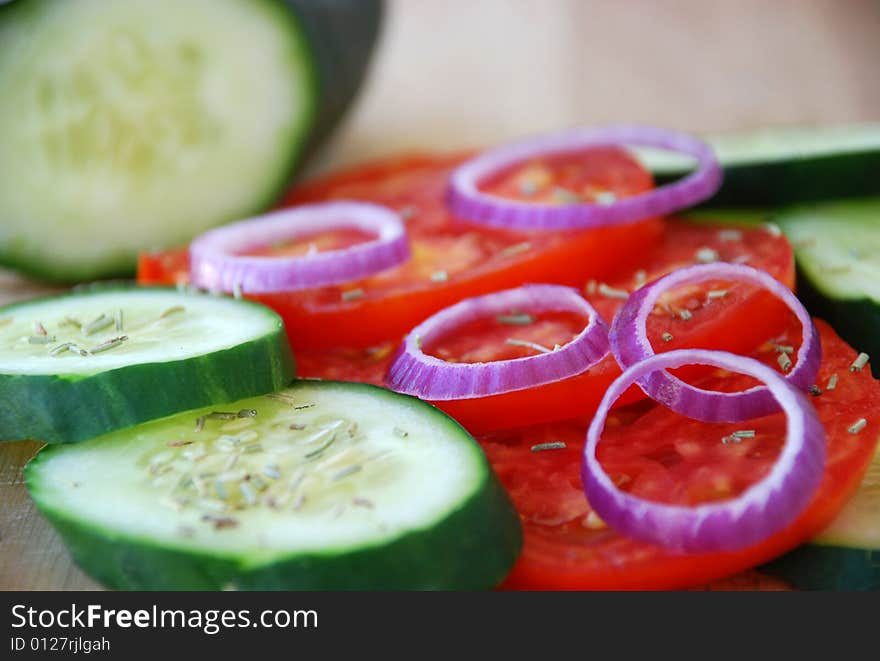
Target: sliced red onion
<point>630,345</point>
<point>216,262</point>
<point>763,509</point>
<point>468,202</point>
<point>415,373</point>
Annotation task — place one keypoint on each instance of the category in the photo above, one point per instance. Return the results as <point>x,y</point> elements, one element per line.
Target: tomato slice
<point>451,259</point>
<point>658,454</point>
<point>738,321</point>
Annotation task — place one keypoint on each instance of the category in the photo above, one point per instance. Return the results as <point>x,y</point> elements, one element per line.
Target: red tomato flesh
<point>738,321</point>
<point>660,455</point>
<point>451,259</point>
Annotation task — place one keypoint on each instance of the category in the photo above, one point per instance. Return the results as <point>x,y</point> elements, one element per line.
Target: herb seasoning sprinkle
<point>345,472</point>
<point>516,249</point>
<point>857,426</point>
<point>612,292</point>
<point>706,256</point>
<point>515,319</point>
<point>60,349</point>
<point>97,324</point>
<point>529,345</point>
<point>773,229</point>
<point>552,445</point>
<point>112,343</point>
<point>859,363</point>
<point>170,311</point>
<point>528,187</point>
<point>352,294</point>
<point>784,362</point>
<point>605,198</point>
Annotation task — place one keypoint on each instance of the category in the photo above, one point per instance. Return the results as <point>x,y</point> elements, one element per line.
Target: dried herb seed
<point>552,445</point>
<point>98,324</point>
<point>857,426</point>
<point>859,363</point>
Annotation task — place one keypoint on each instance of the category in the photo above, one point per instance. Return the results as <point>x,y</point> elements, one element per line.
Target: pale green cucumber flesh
<point>324,485</point>
<point>136,125</point>
<point>78,365</point>
<point>836,245</point>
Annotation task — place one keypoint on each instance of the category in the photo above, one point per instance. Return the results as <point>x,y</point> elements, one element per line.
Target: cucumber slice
<point>847,555</point>
<point>779,166</point>
<point>327,485</point>
<point>65,374</point>
<point>137,124</point>
<point>837,247</point>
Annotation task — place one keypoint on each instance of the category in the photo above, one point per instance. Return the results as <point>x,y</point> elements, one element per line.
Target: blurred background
<point>467,73</point>
<point>407,75</point>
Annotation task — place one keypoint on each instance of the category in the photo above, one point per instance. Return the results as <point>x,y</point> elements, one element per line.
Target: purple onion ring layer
<point>630,345</point>
<point>415,373</point>
<point>216,262</point>
<point>758,512</point>
<point>468,202</point>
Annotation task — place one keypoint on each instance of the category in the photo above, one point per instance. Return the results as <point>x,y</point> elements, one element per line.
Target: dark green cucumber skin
<point>480,543</point>
<point>341,34</point>
<point>70,408</point>
<point>828,568</point>
<point>475,547</point>
<point>782,183</point>
<point>857,321</point>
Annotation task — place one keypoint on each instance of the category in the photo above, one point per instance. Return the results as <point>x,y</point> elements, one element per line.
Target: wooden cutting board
<point>499,69</point>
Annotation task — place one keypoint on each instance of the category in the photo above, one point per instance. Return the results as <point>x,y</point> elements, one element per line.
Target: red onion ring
<point>468,202</point>
<point>761,510</point>
<point>630,345</point>
<point>415,373</point>
<point>216,262</point>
